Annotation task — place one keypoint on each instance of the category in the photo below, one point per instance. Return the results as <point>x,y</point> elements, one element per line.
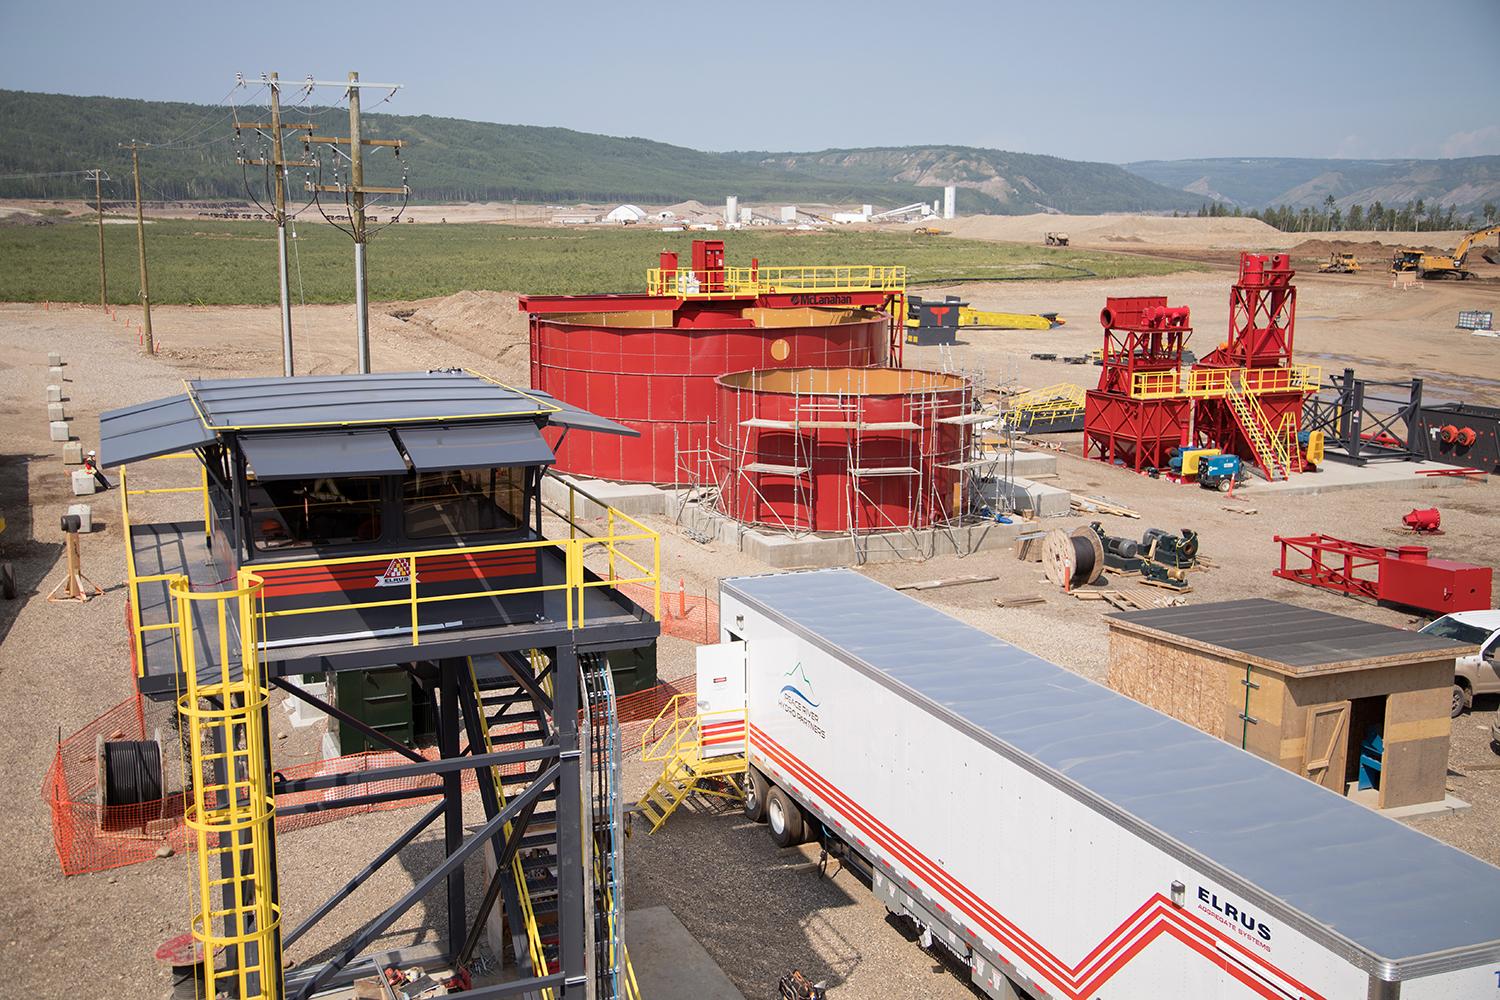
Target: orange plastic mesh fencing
<point>89,837</point>
<point>639,709</point>
<point>685,615</point>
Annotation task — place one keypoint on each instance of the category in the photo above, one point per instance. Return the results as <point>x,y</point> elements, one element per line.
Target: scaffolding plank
<point>891,425</point>
<point>781,470</point>
<point>972,463</point>
<point>969,418</point>
<point>887,470</point>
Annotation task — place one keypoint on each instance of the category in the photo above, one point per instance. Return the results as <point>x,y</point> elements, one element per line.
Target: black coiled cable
<point>132,772</point>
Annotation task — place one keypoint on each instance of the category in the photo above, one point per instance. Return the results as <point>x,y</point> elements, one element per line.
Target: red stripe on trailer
<point>1153,918</point>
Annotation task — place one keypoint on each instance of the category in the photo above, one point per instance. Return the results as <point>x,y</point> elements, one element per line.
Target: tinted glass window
<point>471,501</point>
<point>306,513</point>
<point>1448,628</point>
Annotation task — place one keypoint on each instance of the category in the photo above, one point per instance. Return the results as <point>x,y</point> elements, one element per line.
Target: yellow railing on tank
<point>739,282</point>
<point>231,809</point>
<point>1214,383</point>
<point>133,580</point>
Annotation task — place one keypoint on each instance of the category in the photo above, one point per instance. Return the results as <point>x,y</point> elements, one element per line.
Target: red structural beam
<point>540,305</point>
<point>1401,575</point>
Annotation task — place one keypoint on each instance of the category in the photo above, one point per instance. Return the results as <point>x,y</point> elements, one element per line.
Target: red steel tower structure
<point>1143,343</point>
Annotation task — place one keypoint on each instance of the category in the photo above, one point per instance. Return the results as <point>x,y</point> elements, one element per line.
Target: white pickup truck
<point>1478,673</point>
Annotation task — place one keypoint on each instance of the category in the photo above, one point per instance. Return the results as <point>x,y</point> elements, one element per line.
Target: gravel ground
<point>758,911</point>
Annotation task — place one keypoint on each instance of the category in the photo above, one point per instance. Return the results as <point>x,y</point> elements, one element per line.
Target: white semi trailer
<point>1062,840</point>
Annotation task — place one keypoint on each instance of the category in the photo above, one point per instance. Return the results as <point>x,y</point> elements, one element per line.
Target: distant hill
<point>1261,182</point>
<point>452,159</point>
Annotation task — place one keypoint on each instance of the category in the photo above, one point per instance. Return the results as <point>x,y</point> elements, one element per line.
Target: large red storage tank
<point>654,371</point>
<point>842,449</point>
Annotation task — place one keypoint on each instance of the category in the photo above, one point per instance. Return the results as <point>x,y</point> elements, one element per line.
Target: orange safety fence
<point>684,615</point>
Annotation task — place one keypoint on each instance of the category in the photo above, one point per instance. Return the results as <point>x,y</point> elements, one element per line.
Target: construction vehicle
<point>930,231</point>
<point>1340,263</point>
<point>1408,260</point>
<point>1057,239</point>
<point>1059,839</point>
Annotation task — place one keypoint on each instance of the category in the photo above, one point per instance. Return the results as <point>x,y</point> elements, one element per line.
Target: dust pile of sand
<point>1124,230</point>
<point>487,324</point>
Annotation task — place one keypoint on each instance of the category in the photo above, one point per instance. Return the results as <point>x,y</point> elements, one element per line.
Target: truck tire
<point>784,817</point>
<point>756,790</point>
<point>1460,700</point>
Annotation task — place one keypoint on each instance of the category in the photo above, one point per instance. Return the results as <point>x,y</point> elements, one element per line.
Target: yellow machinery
<point>1048,407</point>
<point>1192,458</point>
<point>1008,321</point>
<point>1057,239</point>
<point>1436,265</point>
<point>1340,263</point>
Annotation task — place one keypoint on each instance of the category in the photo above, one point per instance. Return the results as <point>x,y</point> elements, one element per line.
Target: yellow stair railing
<point>537,950</point>
<point>1269,443</point>
<point>231,810</point>
<point>679,739</point>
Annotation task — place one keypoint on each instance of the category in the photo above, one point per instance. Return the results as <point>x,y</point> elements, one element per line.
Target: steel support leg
<point>572,901</point>
<point>450,721</point>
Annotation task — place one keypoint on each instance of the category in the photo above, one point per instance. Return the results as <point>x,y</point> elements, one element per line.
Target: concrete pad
<point>634,499</point>
<point>669,962</point>
<point>1031,464</point>
<point>1336,475</point>
<point>1451,804</point>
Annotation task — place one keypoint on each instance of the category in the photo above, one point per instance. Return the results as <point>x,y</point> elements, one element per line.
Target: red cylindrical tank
<point>841,449</point>
<point>654,371</point>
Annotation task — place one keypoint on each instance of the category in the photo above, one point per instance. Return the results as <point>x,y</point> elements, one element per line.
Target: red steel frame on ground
<point>1401,575</point>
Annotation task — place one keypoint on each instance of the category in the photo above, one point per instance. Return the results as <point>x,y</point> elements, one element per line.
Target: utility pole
<point>357,223</point>
<point>354,193</point>
<point>147,343</point>
<point>98,177</point>
<point>279,164</point>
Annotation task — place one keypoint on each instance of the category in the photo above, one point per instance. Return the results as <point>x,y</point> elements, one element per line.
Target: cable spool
<point>129,774</point>
<point>1072,559</point>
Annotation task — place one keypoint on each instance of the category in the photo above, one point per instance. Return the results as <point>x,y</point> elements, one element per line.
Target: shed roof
<point>212,407</point>
<point>1286,637</point>
<point>474,446</point>
<point>1345,873</point>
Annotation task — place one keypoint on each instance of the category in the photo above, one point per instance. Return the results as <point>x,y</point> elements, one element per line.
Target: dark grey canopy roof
<point>306,403</point>
<point>474,446</point>
<point>1353,875</point>
<point>149,430</point>
<point>324,453</point>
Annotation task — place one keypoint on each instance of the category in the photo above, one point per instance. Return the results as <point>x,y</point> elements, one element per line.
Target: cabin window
<point>464,502</point>
<point>308,513</point>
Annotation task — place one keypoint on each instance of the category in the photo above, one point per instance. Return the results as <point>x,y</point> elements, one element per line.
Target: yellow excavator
<point>1437,265</point>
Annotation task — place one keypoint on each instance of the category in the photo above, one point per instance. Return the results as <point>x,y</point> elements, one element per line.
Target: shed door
<point>1327,743</point>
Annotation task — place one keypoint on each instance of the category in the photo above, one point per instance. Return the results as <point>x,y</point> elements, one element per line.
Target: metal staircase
<point>513,720</point>
<point>1274,451</point>
<point>701,755</point>
<point>614,974</point>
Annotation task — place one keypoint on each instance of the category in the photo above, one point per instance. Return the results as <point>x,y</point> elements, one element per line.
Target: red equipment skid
<point>1401,575</point>
<point>1141,334</point>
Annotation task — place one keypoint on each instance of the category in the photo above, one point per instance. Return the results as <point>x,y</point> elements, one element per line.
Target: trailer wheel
<point>756,790</point>
<point>784,817</point>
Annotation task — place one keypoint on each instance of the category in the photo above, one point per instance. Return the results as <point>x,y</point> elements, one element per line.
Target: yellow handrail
<point>683,730</point>
<point>1213,383</point>
<point>686,282</point>
<point>133,580</point>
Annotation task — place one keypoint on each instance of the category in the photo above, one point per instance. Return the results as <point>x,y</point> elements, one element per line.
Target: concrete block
<point>73,453</point>
<point>85,514</point>
<point>55,412</point>
<point>1026,495</point>
<point>54,359</point>
<point>1033,463</point>
<point>83,483</point>
<point>634,499</point>
<point>59,430</point>
<point>54,394</point>
<point>55,372</point>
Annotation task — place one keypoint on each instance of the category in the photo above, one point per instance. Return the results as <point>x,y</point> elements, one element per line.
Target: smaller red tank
<point>841,449</point>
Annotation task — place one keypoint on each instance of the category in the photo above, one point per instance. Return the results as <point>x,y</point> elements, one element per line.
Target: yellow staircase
<point>679,738</point>
<point>1275,450</point>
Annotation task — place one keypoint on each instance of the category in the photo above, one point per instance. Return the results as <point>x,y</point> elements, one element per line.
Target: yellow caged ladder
<point>231,810</point>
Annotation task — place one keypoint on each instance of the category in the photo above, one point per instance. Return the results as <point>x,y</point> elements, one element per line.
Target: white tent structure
<point>626,214</point>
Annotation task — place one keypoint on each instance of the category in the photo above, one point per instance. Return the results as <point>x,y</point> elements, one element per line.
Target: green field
<point>234,263</point>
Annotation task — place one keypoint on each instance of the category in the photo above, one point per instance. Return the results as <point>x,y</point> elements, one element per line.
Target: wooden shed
<point>1355,706</point>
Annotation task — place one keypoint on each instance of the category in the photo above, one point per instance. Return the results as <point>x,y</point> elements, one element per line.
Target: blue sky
<point>1099,81</point>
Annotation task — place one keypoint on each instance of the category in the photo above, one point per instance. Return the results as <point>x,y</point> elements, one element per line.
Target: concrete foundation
<point>1030,497</point>
<point>669,962</point>
<point>1334,475</point>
